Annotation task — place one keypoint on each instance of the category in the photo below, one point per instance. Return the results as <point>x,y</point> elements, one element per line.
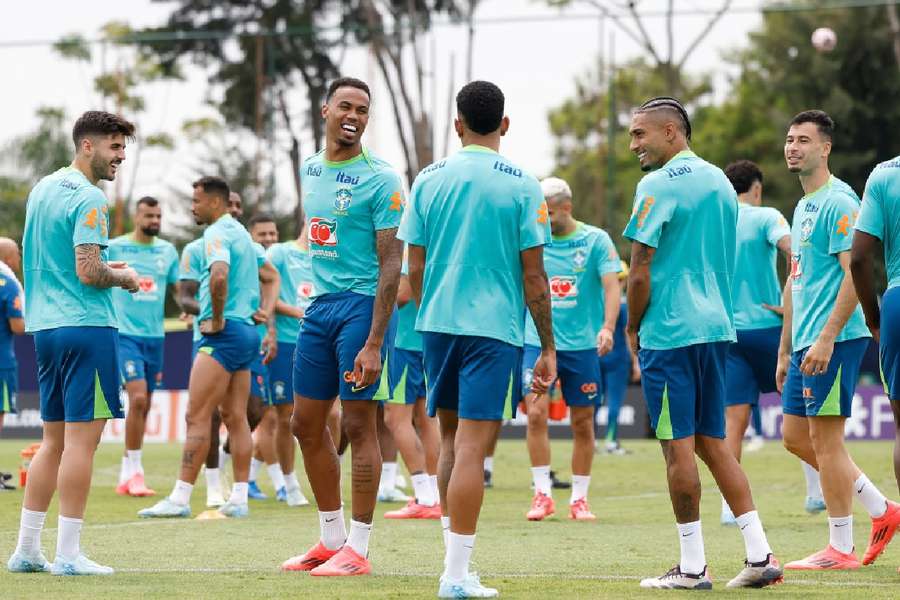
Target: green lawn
<point>634,537</point>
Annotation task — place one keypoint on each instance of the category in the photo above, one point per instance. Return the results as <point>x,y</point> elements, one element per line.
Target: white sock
<point>693,558</point>
<point>239,493</point>
<point>359,537</point>
<point>489,464</point>
<point>68,543</point>
<point>755,541</point>
<point>331,525</point>
<point>813,485</point>
<point>459,552</point>
<point>580,485</point>
<point>871,498</point>
<point>181,493</point>
<point>432,480</point>
<point>726,510</point>
<point>213,479</point>
<point>445,527</point>
<point>541,478</point>
<point>840,533</point>
<point>224,457</point>
<point>124,470</point>
<point>134,457</point>
<point>422,489</point>
<point>290,481</point>
<point>388,476</point>
<point>276,475</point>
<point>30,525</point>
<point>254,468</point>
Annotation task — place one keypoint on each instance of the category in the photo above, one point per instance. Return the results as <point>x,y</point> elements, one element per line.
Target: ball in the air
<point>824,39</point>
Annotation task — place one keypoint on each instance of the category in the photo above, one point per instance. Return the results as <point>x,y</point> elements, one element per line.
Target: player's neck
<point>337,152</point>
<point>492,140</point>
<point>675,149</point>
<point>748,198</point>
<point>216,217</point>
<point>83,164</point>
<point>141,238</point>
<point>812,181</point>
<point>569,228</point>
<point>301,242</point>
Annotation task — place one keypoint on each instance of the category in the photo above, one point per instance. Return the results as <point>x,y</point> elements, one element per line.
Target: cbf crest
<point>806,228</point>
<point>579,260</point>
<point>342,199</point>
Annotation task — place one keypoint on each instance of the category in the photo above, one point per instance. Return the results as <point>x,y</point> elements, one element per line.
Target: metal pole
<point>611,131</point>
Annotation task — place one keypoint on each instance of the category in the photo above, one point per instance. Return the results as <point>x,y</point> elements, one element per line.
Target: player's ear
<point>458,126</point>
<point>325,111</point>
<point>504,125</point>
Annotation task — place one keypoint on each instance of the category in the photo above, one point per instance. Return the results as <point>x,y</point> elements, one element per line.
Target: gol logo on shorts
<point>589,387</point>
<point>807,392</point>
<point>348,376</point>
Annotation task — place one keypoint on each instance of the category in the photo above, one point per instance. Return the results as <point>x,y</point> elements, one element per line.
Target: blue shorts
<point>578,372</point>
<point>685,390</point>
<point>281,375</point>
<point>829,394</point>
<point>750,366</point>
<point>141,358</point>
<point>78,373</point>
<point>407,376</point>
<point>477,377</point>
<point>235,347</point>
<point>615,373</point>
<point>9,385</point>
<point>889,351</point>
<point>259,379</point>
<point>332,332</point>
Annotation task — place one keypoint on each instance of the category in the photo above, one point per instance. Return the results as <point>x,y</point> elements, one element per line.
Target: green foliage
<point>13,193</point>
<point>44,149</point>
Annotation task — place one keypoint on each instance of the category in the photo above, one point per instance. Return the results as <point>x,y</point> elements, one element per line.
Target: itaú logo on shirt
<point>304,290</point>
<point>323,232</point>
<point>147,285</point>
<point>563,286</point>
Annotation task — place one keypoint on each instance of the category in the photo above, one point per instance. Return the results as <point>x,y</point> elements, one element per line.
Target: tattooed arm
<point>638,290</point>
<point>218,292</point>
<point>537,297</point>
<point>92,271</point>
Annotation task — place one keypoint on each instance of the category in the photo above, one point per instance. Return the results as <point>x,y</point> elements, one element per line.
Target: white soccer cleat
<point>470,587</point>
<point>166,509</point>
<point>214,497</point>
<point>295,497</point>
<point>392,495</point>
<point>235,511</point>
<point>20,562</point>
<point>80,565</point>
<point>676,580</point>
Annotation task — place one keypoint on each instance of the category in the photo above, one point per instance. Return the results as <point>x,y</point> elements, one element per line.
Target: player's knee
<point>232,418</point>
<point>139,403</point>
<point>583,427</point>
<point>537,416</point>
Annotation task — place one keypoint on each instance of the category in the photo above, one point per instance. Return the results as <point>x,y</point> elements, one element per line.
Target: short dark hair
<point>823,122</point>
<point>481,105</point>
<point>260,218</point>
<point>98,122</point>
<point>148,200</point>
<point>347,82</point>
<point>672,105</point>
<point>742,174</point>
<point>214,186</point>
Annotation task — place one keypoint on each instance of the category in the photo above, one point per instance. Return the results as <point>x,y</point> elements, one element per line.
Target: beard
<point>150,231</point>
<point>102,169</point>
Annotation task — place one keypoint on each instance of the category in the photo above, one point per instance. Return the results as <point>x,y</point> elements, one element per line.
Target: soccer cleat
<point>414,510</point>
<point>757,575</point>
<point>138,488</point>
<point>234,510</point>
<point>80,565</point>
<point>676,580</point>
<point>541,507</point>
<point>883,530</point>
<point>727,519</point>
<point>558,484</point>
<point>214,497</point>
<point>165,509</point>
<point>20,562</point>
<point>616,449</point>
<point>392,495</point>
<point>580,511</point>
<point>755,444</point>
<point>814,505</point>
<point>470,587</point>
<point>400,482</point>
<point>315,556</point>
<point>828,559</point>
<point>345,562</point>
<point>295,497</point>
<point>281,494</point>
<point>122,488</point>
<point>488,479</point>
<point>254,493</point>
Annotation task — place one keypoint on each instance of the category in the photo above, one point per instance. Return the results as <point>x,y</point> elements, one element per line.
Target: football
<point>824,39</point>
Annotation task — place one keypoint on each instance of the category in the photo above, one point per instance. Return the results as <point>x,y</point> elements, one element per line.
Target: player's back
<point>476,212</point>
<point>755,282</point>
<point>64,210</point>
<point>228,241</point>
<point>880,214</point>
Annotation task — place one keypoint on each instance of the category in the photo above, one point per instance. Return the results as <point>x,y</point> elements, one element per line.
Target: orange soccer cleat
<point>346,562</point>
<point>580,511</point>
<point>883,529</point>
<point>137,487</point>
<point>828,559</point>
<point>414,510</point>
<point>541,507</point>
<point>315,556</point>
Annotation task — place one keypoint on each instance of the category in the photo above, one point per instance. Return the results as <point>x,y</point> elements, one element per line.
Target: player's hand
<point>212,326</point>
<point>817,358</point>
<point>544,372</point>
<point>605,342</point>
<point>778,310</point>
<point>366,367</point>
<point>186,318</point>
<point>129,279</point>
<point>634,339</point>
<point>781,371</point>
<point>269,347</point>
<point>260,316</point>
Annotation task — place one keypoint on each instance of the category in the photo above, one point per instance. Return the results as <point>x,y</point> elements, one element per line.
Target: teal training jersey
<point>292,263</point>
<point>227,241</point>
<point>141,314</point>
<point>822,228</point>
<point>345,204</point>
<point>755,282</point>
<point>262,328</point>
<point>687,210</point>
<point>880,214</point>
<point>574,264</point>
<point>10,308</point>
<point>475,212</point>
<point>192,270</point>
<point>64,210</point>
<point>407,337</point>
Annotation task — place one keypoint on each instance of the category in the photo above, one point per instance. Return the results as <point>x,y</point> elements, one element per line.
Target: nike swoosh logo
<point>841,525</point>
<point>355,389</point>
<point>686,534</point>
<point>331,520</point>
<point>745,527</point>
<point>859,491</point>
<point>469,547</point>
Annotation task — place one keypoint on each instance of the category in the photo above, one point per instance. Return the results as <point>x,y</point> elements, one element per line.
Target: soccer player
<point>582,265</point>
<point>476,226</point>
<point>71,314</point>
<point>879,222</point>
<point>823,342</point>
<point>220,376</point>
<point>352,202</point>
<point>12,322</point>
<point>406,409</point>
<point>291,259</point>
<point>762,232</point>
<point>141,332</point>
<point>683,231</point>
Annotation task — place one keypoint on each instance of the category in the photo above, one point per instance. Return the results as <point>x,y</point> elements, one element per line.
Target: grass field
<point>634,537</point>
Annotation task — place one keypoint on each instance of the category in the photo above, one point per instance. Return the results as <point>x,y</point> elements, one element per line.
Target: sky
<point>533,52</point>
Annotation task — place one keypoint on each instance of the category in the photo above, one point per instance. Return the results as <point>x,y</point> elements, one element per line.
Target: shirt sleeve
<point>191,264</point>
<point>608,260</point>
<point>91,218</point>
<point>260,255</point>
<point>216,247</point>
<point>776,227</point>
<point>11,298</point>
<point>534,218</point>
<point>412,225</point>
<point>871,215</point>
<point>387,208</point>
<point>840,220</point>
<point>651,213</point>
<point>172,274</point>
<point>274,255</point>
